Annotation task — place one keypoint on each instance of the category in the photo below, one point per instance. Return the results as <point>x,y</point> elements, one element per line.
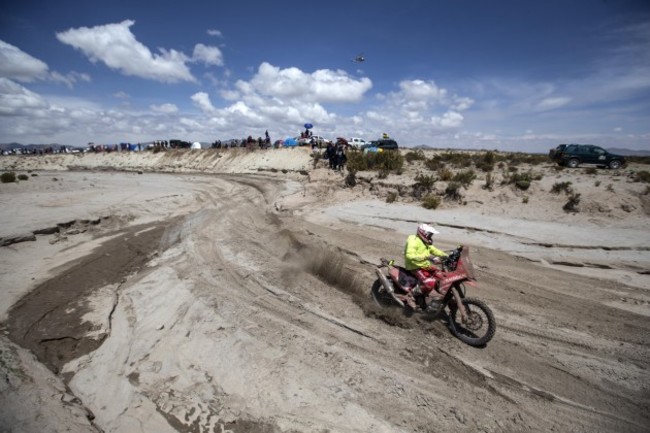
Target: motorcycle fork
<point>459,303</point>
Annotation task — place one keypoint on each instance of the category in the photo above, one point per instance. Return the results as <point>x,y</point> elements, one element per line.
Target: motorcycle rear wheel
<point>480,326</point>
<point>381,297</point>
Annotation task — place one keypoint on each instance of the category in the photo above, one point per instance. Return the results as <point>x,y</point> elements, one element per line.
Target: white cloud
<point>164,108</point>
<point>553,103</point>
<point>293,84</point>
<point>214,32</point>
<point>18,65</point>
<point>422,90</point>
<point>117,47</point>
<point>16,100</point>
<point>202,100</point>
<point>121,95</point>
<point>207,55</point>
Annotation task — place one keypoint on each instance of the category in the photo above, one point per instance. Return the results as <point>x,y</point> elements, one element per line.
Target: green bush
<point>351,178</point>
<point>389,161</point>
<point>572,204</point>
<point>452,191</point>
<point>391,197</point>
<point>418,155</point>
<point>423,185</point>
<point>521,180</point>
<point>23,177</point>
<point>457,159</point>
<point>486,162</point>
<point>464,178</point>
<point>8,177</point>
<point>489,182</point>
<point>431,202</point>
<point>558,187</point>
<point>642,176</point>
<point>434,163</point>
<point>445,174</point>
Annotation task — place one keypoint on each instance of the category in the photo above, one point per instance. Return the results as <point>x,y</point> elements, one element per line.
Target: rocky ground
<point>231,294</point>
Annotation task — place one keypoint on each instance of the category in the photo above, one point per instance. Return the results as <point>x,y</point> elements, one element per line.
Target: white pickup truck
<point>356,142</point>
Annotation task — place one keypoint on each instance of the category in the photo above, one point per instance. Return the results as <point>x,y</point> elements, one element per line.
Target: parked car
<point>572,155</point>
<point>306,141</point>
<point>380,145</point>
<point>356,143</point>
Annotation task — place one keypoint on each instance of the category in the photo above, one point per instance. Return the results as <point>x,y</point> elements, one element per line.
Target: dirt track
<point>250,318</point>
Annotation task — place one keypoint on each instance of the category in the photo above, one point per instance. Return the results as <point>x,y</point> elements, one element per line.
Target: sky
<point>510,75</point>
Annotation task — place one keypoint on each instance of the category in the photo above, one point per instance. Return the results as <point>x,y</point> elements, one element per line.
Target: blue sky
<point>507,75</point>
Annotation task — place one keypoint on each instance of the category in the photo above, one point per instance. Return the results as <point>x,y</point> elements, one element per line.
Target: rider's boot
<point>410,299</point>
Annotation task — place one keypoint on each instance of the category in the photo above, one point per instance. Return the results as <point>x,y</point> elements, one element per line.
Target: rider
<point>419,257</point>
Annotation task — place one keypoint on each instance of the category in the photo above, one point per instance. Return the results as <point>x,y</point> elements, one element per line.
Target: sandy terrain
<point>230,294</point>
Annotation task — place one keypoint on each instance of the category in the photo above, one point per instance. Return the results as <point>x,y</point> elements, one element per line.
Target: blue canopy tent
<point>290,142</point>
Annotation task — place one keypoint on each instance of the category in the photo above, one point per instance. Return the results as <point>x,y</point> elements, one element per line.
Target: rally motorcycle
<point>470,319</point>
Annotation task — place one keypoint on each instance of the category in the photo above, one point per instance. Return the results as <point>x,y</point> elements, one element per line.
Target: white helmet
<point>426,232</point>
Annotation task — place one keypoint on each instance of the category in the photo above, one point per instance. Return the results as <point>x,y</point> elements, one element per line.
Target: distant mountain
<point>628,152</point>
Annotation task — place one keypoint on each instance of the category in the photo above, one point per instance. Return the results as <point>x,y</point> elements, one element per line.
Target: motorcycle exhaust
<point>388,286</point>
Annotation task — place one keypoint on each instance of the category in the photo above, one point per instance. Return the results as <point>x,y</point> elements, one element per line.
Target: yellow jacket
<point>416,253</point>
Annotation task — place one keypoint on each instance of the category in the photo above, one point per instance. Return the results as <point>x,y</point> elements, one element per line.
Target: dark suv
<point>572,155</point>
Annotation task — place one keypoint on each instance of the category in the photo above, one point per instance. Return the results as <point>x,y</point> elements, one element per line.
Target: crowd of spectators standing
<point>335,153</point>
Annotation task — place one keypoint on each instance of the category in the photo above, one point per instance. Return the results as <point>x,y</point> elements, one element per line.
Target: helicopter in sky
<point>359,58</point>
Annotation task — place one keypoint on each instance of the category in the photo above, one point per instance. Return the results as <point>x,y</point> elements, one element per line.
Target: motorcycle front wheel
<point>480,326</point>
<point>381,296</point>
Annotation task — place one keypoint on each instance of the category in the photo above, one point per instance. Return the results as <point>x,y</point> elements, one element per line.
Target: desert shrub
<point>521,180</point>
<point>501,165</point>
<point>431,202</point>
<point>426,181</point>
<point>383,174</point>
<point>489,182</point>
<point>356,162</point>
<point>391,197</point>
<point>452,191</point>
<point>23,177</point>
<point>351,178</point>
<point>457,159</point>
<point>418,155</point>
<point>642,176</point>
<point>391,161</point>
<point>647,190</point>
<point>8,177</point>
<point>558,187</point>
<point>610,188</point>
<point>423,185</point>
<point>34,174</point>
<point>572,204</point>
<point>591,170</point>
<point>388,161</point>
<point>464,178</point>
<point>639,159</point>
<point>597,183</point>
<point>486,162</point>
<point>434,163</point>
<point>517,158</point>
<point>445,174</point>
<point>524,199</point>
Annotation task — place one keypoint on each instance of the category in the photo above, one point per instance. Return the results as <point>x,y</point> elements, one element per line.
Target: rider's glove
<point>434,259</point>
